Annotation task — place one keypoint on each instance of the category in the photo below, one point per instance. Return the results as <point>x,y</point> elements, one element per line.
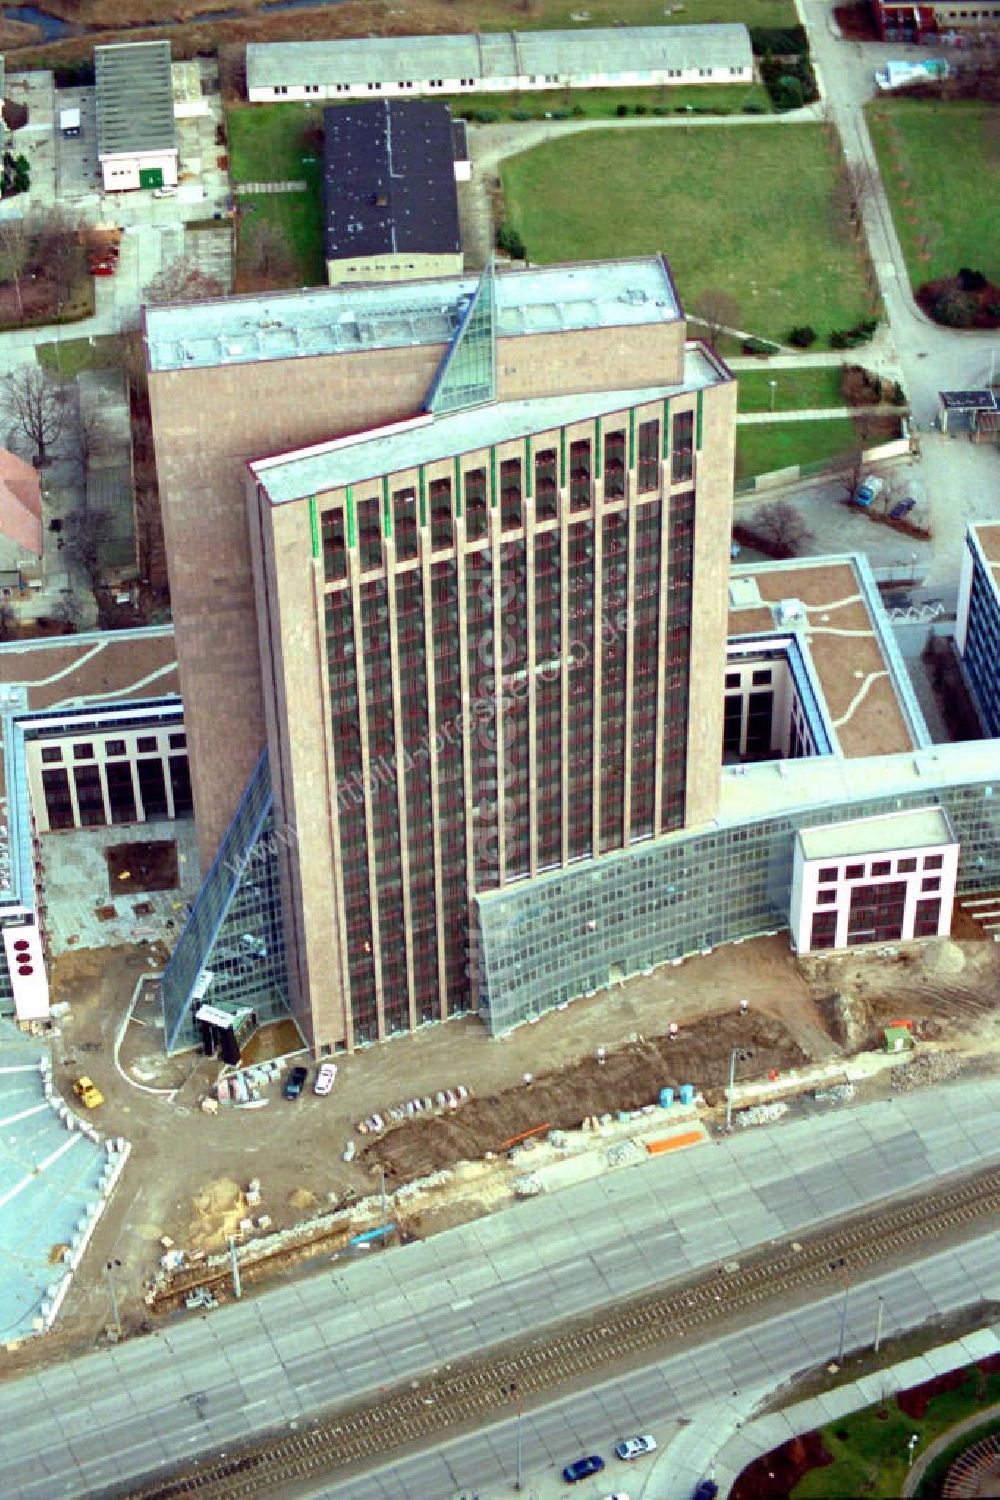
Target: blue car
<point>583,1468</point>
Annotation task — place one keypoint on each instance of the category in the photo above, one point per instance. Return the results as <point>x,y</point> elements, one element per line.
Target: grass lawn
<point>541,14</point>
<point>602,104</point>
<point>747,211</point>
<point>870,1454</point>
<point>267,143</point>
<point>793,389</point>
<point>777,445</point>
<point>939,163</point>
<point>67,357</point>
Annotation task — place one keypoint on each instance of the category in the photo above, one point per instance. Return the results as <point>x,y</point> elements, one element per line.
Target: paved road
<point>206,1382</point>
<point>729,1376</point>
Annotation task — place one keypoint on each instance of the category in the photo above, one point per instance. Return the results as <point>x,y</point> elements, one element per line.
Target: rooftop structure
<point>922,829</point>
<point>350,320</point>
<point>389,198</point>
<point>499,61</point>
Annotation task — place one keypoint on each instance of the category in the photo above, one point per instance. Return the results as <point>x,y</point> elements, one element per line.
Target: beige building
<point>475,606</point>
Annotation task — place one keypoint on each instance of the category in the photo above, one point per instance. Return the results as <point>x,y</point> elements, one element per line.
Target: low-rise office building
<point>499,62</point>
<point>390,204</point>
<point>136,131</point>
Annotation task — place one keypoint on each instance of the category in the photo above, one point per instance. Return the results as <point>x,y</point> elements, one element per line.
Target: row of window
<point>906,865</point>
<point>375,87</point>
<point>145,744</point>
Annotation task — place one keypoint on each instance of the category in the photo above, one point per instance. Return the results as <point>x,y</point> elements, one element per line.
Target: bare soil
<point>562,1099</point>
<point>149,865</point>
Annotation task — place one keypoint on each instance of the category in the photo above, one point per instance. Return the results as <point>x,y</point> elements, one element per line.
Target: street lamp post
<point>878,1323</point>
<point>743,1054</point>
<point>111,1267</point>
<point>514,1392</point>
<point>911,1448</point>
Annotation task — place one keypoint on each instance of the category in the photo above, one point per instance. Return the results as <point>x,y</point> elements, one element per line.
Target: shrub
<point>838,339</point>
<point>621,111</point>
<point>521,114</point>
<point>509,240</point>
<point>971,281</point>
<point>779,41</point>
<point>578,111</point>
<point>758,346</point>
<point>955,308</point>
<point>752,107</point>
<point>898,395</point>
<point>802,337</point>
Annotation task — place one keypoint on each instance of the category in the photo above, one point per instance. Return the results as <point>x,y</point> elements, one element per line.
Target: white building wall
<point>521,83</point>
<point>121,173</point>
<point>807,888</point>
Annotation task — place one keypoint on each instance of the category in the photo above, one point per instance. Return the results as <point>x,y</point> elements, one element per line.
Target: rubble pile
<point>929,1067</point>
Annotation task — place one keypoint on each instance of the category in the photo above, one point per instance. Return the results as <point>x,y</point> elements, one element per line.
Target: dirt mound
<point>216,1213</point>
<point>850,1020</point>
<point>301,1198</point>
<point>626,1080</point>
<point>941,958</point>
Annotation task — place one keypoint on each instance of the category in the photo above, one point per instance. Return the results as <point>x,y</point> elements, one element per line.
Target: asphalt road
<point>730,1373</point>
<point>207,1382</point>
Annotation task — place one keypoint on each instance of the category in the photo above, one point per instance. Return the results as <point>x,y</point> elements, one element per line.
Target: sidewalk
<point>819,413</point>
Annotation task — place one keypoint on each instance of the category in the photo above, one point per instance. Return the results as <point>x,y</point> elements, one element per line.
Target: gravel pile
<point>624,1154</point>
<point>762,1114</point>
<point>929,1067</point>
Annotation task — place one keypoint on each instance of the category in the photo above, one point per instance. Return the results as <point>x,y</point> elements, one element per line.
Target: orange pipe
<point>673,1142</point>
<point>535,1130</point>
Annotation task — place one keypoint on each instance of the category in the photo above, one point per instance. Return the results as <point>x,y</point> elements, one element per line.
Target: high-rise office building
<point>458,552</point>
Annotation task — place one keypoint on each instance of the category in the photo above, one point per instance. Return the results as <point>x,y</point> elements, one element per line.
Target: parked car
<point>88,1093</point>
<point>325,1078</point>
<point>165,192</point>
<point>868,492</point>
<point>706,1490</point>
<point>582,1469</point>
<point>635,1447</point>
<point>295,1083</point>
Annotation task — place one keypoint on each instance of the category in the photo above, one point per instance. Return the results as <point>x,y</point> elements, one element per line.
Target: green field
<point>280,143</point>
<point>777,445</point>
<point>602,104</point>
<point>746,210</point>
<point>534,15</point>
<point>67,357</point>
<point>870,1451</point>
<point>794,390</point>
<point>939,163</point>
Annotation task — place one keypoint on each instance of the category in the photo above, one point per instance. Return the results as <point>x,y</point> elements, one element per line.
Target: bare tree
<point>68,612</point>
<point>183,281</point>
<point>38,407</point>
<point>266,252</point>
<point>60,249</point>
<point>84,535</point>
<point>90,434</point>
<point>854,191</point>
<point>148,531</point>
<point>719,312</point>
<point>8,622</point>
<point>782,527</point>
<point>15,247</point>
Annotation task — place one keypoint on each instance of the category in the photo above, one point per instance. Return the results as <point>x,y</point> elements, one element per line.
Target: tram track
<point>476,1389</point>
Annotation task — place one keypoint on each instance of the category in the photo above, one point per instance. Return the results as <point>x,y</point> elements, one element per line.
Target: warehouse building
<point>499,62</point>
<point>390,204</point>
<point>136,133</point>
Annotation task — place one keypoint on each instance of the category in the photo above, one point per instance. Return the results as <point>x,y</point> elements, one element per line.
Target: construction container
<point>666,1098</point>
<point>687,1093</point>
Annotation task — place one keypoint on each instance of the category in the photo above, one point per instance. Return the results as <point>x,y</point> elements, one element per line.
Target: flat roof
<point>920,828</point>
<point>426,439</point>
<point>498,55</point>
<point>389,179</point>
<point>968,400</point>
<point>351,319</point>
<point>843,627</point>
<point>135,98</point>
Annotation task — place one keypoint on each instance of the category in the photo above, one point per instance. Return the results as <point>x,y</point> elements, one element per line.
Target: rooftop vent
<point>790,611</point>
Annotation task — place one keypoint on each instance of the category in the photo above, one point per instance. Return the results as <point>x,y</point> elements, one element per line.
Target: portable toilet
<point>897,1038</point>
<point>666,1098</point>
<point>687,1093</point>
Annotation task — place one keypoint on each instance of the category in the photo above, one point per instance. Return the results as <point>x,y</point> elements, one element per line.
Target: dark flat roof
<point>969,400</point>
<point>389,179</point>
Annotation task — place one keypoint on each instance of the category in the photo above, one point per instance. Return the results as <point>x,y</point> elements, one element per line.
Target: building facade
<point>477,626</point>
<point>498,62</point>
<point>977,630</point>
<point>899,22</point>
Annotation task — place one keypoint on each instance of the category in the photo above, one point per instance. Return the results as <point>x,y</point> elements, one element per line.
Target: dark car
<point>707,1490</point>
<point>583,1468</point>
<point>295,1083</point>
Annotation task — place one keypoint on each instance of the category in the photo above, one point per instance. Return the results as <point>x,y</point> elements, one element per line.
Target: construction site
<point>447,1125</point>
